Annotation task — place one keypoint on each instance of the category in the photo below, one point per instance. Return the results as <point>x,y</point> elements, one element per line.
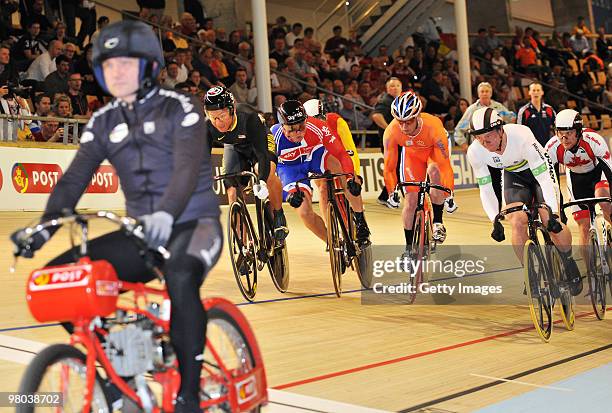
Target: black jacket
<point>159,150</point>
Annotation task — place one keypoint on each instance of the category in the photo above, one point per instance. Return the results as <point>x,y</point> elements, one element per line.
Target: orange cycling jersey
<point>429,143</point>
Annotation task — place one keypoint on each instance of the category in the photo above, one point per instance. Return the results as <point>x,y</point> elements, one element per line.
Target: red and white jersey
<point>591,146</point>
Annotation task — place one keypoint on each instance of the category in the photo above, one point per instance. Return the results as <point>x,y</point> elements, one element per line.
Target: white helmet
<point>314,107</point>
<point>485,120</point>
<point>569,119</point>
<point>406,106</point>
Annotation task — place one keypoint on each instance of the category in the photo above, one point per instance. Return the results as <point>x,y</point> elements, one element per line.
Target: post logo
<point>103,181</point>
<point>35,178</point>
<point>21,179</point>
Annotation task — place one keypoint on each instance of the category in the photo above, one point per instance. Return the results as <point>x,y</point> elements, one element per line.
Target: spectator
<point>78,100</point>
<point>244,58</point>
<point>219,68</point>
<point>355,118</point>
<point>309,41</point>
<point>153,7</point>
<point>84,66</point>
<point>8,71</point>
<point>194,7</point>
<point>606,97</point>
<point>57,81</point>
<point>417,64</point>
<point>485,92</point>
<point>581,26</point>
<point>348,60</point>
<point>28,48</point>
<point>295,33</point>
<point>50,131</point>
<point>335,45</point>
<point>368,94</point>
<point>279,30</point>
<point>196,78</point>
<point>500,65</point>
<point>102,22</point>
<point>603,45</point>
<point>234,40</point>
<point>11,104</point>
<point>527,58</point>
<point>432,91</point>
<point>180,57</point>
<point>35,14</point>
<point>45,63</point>
<point>42,105</point>
<point>480,45</point>
<point>298,48</point>
<point>279,53</point>
<point>221,39</point>
<point>556,94</point>
<point>288,87</point>
<point>240,88</point>
<point>427,34</point>
<point>7,9</point>
<point>537,115</point>
<point>579,44</point>
<point>188,26</point>
<point>493,42</point>
<point>203,66</point>
<point>403,72</point>
<point>274,82</point>
<point>60,34</point>
<point>63,106</point>
<point>172,79</point>
<point>381,116</point>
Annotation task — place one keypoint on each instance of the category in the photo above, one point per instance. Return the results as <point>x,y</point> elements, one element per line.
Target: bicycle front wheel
<point>597,277</point>
<point>334,244</point>
<point>62,368</point>
<point>566,299</point>
<point>536,286</point>
<point>242,244</point>
<point>278,260</point>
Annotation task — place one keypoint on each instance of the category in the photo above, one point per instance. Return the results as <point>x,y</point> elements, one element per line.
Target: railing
<point>9,125</point>
<point>354,12</point>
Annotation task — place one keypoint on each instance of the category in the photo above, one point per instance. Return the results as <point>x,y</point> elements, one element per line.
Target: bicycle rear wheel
<point>228,351</point>
<point>538,293</point>
<point>242,244</point>
<point>334,244</point>
<point>597,277</point>
<point>416,254</point>
<point>62,368</point>
<point>566,299</point>
<point>278,260</point>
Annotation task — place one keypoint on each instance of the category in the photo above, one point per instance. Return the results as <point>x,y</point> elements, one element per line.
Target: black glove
<point>354,187</point>
<point>553,225</point>
<point>25,246</point>
<point>295,199</point>
<point>498,232</point>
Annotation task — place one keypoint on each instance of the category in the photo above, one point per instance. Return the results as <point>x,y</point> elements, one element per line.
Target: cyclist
<point>338,126</point>
<point>586,157</point>
<point>416,138</point>
<point>528,176</point>
<point>305,144</point>
<point>246,144</point>
<point>154,139</point>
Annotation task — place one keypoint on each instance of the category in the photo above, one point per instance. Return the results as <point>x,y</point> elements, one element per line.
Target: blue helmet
<point>406,106</point>
<point>129,38</point>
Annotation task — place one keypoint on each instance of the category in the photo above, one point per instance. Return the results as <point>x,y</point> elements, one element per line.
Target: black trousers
<point>184,272</point>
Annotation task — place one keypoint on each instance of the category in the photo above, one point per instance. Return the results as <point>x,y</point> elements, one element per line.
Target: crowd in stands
<point>47,56</point>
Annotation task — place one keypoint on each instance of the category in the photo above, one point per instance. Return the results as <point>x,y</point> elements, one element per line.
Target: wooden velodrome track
<point>388,357</point>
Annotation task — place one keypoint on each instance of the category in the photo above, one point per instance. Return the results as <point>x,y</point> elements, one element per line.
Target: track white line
<point>541,386</point>
<point>18,350</point>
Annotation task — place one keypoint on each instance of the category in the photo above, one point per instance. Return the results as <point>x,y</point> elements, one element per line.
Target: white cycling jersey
<point>522,152</point>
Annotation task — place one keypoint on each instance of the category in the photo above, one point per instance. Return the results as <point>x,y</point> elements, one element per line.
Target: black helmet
<point>219,97</point>
<point>291,112</point>
<point>129,38</point>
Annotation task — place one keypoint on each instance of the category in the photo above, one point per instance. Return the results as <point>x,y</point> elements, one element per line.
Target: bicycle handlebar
<point>587,202</point>
<point>131,226</point>
<point>423,184</point>
<point>250,174</point>
<point>502,214</point>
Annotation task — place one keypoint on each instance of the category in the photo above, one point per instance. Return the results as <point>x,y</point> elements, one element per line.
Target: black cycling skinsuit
<point>247,143</point>
<point>156,146</point>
